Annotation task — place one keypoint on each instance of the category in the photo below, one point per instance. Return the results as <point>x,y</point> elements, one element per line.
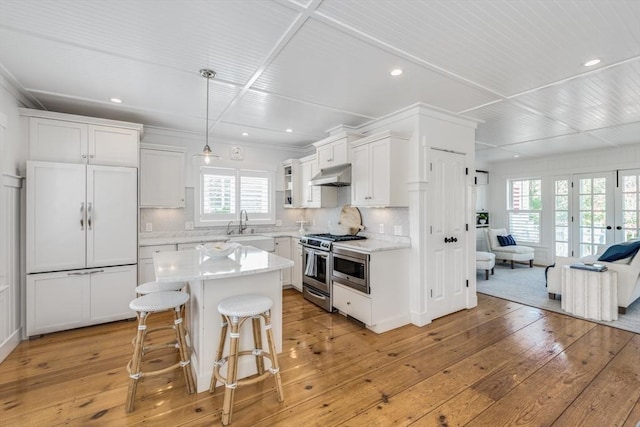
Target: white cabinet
<point>296,253</point>
<point>146,271</point>
<point>80,216</point>
<point>387,305</point>
<point>283,249</point>
<point>64,140</point>
<point>334,150</point>
<point>292,180</point>
<point>315,196</point>
<point>162,176</point>
<point>379,173</point>
<point>352,303</point>
<point>71,299</point>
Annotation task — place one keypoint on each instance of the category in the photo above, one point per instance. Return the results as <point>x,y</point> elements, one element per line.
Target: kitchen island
<point>210,280</point>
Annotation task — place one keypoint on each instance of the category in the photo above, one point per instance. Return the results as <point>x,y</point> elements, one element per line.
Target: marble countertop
<point>193,265</point>
<point>372,245</point>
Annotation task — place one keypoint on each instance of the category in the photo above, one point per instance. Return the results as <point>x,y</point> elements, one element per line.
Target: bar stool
<point>144,306</point>
<point>151,287</point>
<point>236,310</point>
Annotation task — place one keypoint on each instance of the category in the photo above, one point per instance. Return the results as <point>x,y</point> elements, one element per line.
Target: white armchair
<point>517,253</point>
<point>628,272</point>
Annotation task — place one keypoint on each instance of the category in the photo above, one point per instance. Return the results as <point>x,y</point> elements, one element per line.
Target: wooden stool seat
<point>235,311</point>
<point>144,306</point>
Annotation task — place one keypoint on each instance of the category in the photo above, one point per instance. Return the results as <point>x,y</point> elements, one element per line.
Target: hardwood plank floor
<point>500,363</point>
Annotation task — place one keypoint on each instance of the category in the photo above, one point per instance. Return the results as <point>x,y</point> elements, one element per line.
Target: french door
<point>593,212</point>
<point>627,205</point>
<point>605,209</point>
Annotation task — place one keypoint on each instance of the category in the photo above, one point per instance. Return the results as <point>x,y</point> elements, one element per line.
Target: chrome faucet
<point>229,229</point>
<point>241,226</point>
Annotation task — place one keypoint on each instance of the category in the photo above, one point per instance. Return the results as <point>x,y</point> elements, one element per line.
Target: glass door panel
<point>628,205</point>
<point>561,220</point>
<point>594,210</point>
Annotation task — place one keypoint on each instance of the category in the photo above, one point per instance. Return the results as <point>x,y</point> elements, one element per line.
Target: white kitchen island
<point>247,270</point>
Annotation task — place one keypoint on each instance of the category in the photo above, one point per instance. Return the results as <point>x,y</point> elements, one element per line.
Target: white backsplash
<point>172,221</point>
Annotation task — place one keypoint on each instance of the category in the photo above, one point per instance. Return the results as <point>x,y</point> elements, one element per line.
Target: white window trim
<point>539,212</point>
<point>248,167</point>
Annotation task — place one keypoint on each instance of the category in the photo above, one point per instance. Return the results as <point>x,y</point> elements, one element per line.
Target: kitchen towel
<point>310,270</point>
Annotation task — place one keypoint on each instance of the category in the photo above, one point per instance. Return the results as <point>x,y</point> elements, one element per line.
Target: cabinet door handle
<point>82,216</point>
<point>88,216</point>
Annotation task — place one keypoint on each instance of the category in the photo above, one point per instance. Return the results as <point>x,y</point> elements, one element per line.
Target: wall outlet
<point>188,225</point>
<point>278,223</point>
<point>397,230</point>
<point>148,226</point>
<point>381,228</point>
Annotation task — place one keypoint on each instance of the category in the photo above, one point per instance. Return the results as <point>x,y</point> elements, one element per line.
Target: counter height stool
<point>236,310</point>
<point>144,306</point>
<point>151,287</point>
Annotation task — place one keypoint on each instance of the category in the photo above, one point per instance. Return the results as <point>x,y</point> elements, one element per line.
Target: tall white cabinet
<point>81,220</point>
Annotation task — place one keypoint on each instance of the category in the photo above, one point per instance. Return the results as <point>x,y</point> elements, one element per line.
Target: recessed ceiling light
<point>289,130</point>
<point>116,100</point>
<point>592,62</point>
<point>245,134</point>
<point>396,72</point>
<point>516,155</point>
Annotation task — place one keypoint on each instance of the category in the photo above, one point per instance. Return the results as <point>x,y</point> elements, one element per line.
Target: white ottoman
<point>485,261</point>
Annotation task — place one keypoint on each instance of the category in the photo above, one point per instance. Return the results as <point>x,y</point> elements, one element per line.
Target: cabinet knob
<point>84,156</point>
<point>91,156</point>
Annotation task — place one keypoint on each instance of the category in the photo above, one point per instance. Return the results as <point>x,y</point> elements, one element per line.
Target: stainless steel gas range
<point>318,267</point>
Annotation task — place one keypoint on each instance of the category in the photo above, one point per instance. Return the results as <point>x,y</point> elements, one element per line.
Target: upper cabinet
<point>292,190</point>
<point>334,150</point>
<point>162,176</point>
<point>314,196</point>
<point>66,138</point>
<point>378,171</point>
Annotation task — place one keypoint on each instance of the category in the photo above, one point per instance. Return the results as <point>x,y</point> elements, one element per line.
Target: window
<point>561,217</point>
<point>223,193</point>
<point>525,209</point>
<point>629,200</point>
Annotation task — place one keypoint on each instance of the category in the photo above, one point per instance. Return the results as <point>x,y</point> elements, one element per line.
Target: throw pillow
<point>507,240</point>
<point>620,251</point>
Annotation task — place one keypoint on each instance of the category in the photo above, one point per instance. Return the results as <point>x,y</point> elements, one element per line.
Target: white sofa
<point>517,253</point>
<point>628,279</point>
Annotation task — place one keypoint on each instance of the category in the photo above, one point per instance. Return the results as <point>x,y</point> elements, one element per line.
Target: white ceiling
<point>314,65</point>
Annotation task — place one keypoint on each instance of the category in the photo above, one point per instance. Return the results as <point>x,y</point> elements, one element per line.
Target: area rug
<point>527,286</point>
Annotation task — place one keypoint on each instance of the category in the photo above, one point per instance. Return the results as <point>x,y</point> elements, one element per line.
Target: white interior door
<point>447,258</point>
<point>56,218</point>
<point>593,219</point>
<point>627,222</point>
<point>112,213</point>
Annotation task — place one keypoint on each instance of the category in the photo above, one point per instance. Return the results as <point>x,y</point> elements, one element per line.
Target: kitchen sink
<point>261,242</point>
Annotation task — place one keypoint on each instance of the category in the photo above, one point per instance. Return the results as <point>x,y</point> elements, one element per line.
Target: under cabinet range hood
<point>334,176</point>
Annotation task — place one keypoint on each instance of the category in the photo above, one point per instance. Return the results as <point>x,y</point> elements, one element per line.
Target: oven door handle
<point>317,295</point>
<point>317,252</point>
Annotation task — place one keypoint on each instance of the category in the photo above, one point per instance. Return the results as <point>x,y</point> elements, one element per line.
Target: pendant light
<point>206,151</point>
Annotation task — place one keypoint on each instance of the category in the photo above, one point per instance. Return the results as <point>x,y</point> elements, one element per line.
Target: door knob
<point>619,227</point>
<point>446,240</point>
<point>454,239</point>
<point>608,227</point>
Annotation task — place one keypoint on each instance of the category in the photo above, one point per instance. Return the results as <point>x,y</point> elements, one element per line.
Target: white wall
<point>610,159</point>
<point>12,163</point>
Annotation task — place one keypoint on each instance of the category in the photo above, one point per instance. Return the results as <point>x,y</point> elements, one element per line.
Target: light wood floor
<point>501,363</point>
